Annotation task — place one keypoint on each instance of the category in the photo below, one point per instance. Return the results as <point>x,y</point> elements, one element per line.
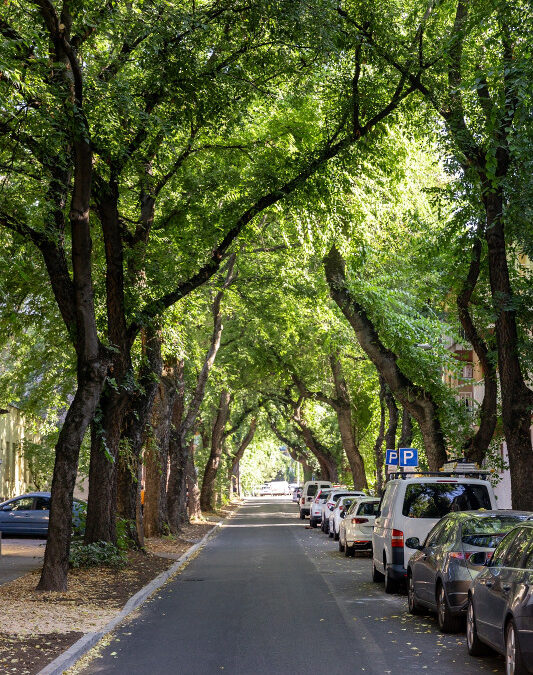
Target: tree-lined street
<point>268,595</point>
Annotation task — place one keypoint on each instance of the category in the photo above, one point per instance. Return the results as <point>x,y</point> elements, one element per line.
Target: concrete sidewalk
<point>20,556</point>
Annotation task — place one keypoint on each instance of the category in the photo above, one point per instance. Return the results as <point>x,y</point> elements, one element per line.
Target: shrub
<point>100,553</point>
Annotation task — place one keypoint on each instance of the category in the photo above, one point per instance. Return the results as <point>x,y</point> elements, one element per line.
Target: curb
<point>88,641</point>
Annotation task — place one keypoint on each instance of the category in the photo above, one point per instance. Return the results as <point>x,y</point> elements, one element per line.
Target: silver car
<point>440,573</point>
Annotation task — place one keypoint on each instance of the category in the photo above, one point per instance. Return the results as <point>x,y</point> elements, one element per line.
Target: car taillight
<point>397,539</point>
<point>458,555</point>
<point>358,521</point>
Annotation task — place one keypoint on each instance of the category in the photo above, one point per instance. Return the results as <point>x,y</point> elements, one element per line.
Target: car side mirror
<point>479,558</point>
<point>414,542</point>
<point>7,507</point>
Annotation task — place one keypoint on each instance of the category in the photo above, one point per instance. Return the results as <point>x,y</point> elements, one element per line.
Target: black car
<point>500,603</point>
<point>441,572</point>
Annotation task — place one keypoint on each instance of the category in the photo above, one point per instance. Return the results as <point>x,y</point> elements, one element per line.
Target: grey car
<point>500,603</point>
<point>29,514</point>
<point>441,572</point>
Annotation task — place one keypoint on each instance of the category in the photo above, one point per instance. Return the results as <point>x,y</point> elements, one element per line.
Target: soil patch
<point>34,652</point>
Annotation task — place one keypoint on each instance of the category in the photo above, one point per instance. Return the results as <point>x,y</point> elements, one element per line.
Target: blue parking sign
<point>408,456</point>
<point>391,458</point>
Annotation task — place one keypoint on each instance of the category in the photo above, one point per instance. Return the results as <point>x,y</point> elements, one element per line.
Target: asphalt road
<point>268,596</point>
<point>19,556</point>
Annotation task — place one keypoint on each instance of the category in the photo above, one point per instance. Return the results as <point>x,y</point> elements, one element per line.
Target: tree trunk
<point>406,436</point>
<point>378,446</point>
<point>155,512</point>
<point>235,460</point>
<point>517,398</point>
<point>343,408</point>
<point>326,461</point>
<point>194,509</point>
<point>477,445</point>
<point>418,401</point>
<point>207,494</point>
<point>295,451</point>
<point>134,437</point>
<point>392,427</point>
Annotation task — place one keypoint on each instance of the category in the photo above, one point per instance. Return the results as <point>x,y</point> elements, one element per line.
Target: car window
<point>311,490</point>
<point>352,508</point>
<point>517,553</point>
<point>487,532</point>
<point>346,502</point>
<point>528,558</point>
<point>24,504</point>
<point>386,501</point>
<point>448,534</point>
<point>435,500</point>
<point>42,504</point>
<point>368,509</point>
<point>433,535</point>
<point>502,548</point>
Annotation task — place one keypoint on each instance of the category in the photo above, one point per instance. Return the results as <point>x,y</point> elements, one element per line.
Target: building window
<point>468,371</point>
<point>467,400</point>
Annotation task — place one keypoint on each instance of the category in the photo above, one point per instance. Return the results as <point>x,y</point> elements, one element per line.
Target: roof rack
<point>477,473</point>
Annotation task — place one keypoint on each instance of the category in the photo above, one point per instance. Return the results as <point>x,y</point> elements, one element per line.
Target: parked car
<point>308,494</point>
<point>442,569</point>
<point>500,603</point>
<point>315,508</point>
<point>411,506</point>
<point>296,494</point>
<point>355,533</point>
<point>341,507</point>
<point>329,505</point>
<point>29,514</point>
<point>265,489</point>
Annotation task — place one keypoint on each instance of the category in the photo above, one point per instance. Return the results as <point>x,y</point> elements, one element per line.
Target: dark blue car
<point>29,514</point>
<point>500,603</point>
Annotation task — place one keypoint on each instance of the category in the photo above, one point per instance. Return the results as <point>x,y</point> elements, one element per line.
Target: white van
<point>411,506</point>
<point>308,494</point>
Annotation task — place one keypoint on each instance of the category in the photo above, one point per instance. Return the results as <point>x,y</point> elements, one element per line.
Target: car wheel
<point>376,575</point>
<point>448,623</point>
<point>341,546</point>
<point>474,644</point>
<point>391,585</point>
<point>336,536</point>
<point>331,532</point>
<point>302,515</point>
<point>514,663</point>
<point>349,551</point>
<point>313,522</point>
<point>412,604</point>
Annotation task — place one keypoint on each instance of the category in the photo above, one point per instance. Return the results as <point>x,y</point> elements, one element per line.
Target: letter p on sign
<point>408,457</point>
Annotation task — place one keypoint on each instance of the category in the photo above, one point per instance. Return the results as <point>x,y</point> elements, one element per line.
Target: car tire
<point>336,536</point>
<point>514,662</point>
<point>302,515</point>
<point>313,522</point>
<point>391,585</point>
<point>377,576</point>
<point>331,533</point>
<point>349,551</point>
<point>412,604</point>
<point>473,643</point>
<point>341,546</point>
<point>448,623</point>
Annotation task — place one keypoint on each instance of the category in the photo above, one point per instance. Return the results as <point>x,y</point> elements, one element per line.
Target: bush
<point>101,553</point>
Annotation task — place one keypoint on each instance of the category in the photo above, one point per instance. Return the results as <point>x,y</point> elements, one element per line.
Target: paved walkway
<point>267,596</point>
<point>20,556</point>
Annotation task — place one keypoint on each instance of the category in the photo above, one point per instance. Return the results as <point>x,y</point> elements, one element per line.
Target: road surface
<point>268,596</point>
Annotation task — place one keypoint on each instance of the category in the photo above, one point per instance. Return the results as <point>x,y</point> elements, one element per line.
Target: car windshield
<point>435,500</point>
<point>489,531</point>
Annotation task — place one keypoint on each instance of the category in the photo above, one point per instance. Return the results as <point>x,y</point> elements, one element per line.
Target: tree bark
<point>517,398</point>
<point>207,493</point>
<point>155,515</point>
<point>392,427</point>
<point>343,408</point>
<point>378,446</point>
<point>416,399</point>
<point>183,423</point>
<point>477,445</point>
<point>235,460</point>
<point>135,434</point>
<point>327,463</point>
<point>194,509</point>
<point>406,436</point>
